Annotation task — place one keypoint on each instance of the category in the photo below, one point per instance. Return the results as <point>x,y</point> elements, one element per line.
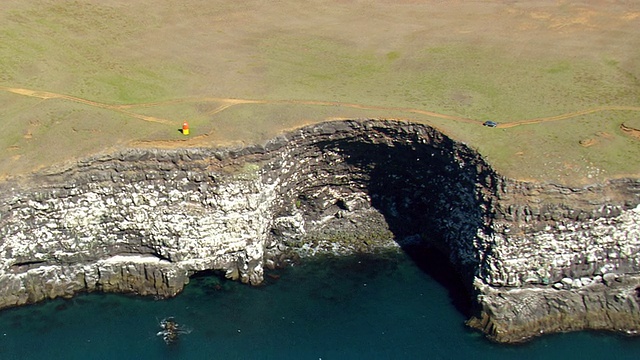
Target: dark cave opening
<point>435,263</point>
<point>207,273</point>
<point>430,197</point>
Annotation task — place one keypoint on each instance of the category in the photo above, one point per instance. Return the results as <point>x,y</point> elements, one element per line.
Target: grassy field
<point>120,73</point>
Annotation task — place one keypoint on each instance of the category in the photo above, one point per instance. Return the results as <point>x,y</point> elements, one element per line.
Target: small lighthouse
<point>185,128</point>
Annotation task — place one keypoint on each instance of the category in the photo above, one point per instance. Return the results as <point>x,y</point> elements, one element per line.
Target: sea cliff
<point>536,258</point>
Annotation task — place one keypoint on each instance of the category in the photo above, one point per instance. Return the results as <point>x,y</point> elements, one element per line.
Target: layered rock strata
<point>539,258</point>
<point>561,259</point>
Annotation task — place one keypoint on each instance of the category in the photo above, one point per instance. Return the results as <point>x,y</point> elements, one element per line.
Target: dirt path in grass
<point>229,102</point>
<point>568,115</point>
<point>226,103</point>
<point>45,95</point>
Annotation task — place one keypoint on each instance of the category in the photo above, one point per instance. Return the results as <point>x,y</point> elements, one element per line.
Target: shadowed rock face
<point>144,220</point>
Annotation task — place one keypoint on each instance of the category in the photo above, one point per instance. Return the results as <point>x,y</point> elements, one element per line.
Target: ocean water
<point>360,307</point>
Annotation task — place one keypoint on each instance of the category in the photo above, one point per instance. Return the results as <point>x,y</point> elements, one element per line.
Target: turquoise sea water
<point>353,308</point>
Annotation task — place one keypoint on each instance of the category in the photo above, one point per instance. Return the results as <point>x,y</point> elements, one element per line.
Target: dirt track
<point>229,102</point>
<point>45,95</point>
<point>568,115</point>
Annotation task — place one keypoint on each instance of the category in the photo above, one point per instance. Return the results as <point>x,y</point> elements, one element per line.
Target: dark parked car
<point>490,123</point>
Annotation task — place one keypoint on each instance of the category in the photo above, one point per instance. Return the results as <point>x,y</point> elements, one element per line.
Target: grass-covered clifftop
<point>80,77</point>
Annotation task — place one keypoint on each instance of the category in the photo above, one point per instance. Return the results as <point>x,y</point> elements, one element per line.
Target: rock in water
<point>171,330</point>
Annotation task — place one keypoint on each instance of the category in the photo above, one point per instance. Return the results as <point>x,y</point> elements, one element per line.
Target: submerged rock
<point>171,331</point>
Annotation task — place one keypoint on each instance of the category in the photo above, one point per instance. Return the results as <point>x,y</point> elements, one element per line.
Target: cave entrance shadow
<point>435,263</point>
<point>428,193</point>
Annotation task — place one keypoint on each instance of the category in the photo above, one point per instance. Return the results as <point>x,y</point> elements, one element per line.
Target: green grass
<point>455,79</point>
<point>255,123</point>
<point>77,49</point>
<point>552,151</point>
<point>41,133</point>
<point>144,52</point>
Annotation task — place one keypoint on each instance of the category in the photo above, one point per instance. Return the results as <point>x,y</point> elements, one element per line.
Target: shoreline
<point>144,220</point>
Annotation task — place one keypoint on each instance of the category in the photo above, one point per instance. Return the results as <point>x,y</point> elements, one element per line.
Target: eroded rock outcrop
<point>561,259</point>
<point>538,257</point>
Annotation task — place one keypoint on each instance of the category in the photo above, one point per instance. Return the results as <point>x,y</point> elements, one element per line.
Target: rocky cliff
<point>537,258</point>
<point>561,259</point>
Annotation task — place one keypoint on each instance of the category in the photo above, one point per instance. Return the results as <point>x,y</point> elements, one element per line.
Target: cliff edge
<point>537,258</point>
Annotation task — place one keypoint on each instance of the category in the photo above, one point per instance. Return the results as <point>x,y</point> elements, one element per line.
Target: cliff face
<point>144,220</point>
<point>561,259</point>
